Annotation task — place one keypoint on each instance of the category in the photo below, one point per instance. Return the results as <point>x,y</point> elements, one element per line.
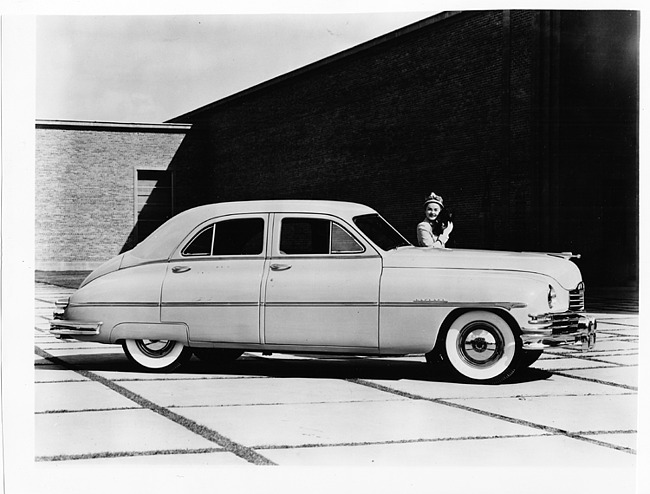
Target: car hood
<point>556,265</point>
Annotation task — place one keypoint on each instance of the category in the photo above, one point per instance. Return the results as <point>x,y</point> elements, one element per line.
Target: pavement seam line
<point>237,449</point>
<point>512,420</point>
<point>597,381</point>
<point>399,441</point>
<point>129,454</point>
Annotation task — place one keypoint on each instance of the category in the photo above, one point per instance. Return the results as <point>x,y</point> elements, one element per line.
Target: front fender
<point>414,302</point>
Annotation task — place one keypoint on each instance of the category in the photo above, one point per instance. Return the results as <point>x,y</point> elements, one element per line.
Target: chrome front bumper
<point>549,330</point>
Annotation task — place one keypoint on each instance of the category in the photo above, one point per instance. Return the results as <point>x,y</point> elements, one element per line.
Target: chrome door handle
<point>180,269</point>
<point>280,267</point>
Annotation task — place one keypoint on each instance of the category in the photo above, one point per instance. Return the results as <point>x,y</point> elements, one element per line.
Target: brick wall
<point>475,106</point>
<point>390,124</point>
<point>85,177</point>
<point>521,120</point>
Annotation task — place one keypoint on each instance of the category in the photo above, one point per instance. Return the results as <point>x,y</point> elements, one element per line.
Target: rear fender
<point>149,331</point>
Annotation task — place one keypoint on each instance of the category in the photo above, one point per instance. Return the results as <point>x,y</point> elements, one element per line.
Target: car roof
<point>161,243</point>
<point>341,208</point>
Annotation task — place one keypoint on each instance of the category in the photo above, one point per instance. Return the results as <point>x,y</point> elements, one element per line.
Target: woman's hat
<point>433,197</point>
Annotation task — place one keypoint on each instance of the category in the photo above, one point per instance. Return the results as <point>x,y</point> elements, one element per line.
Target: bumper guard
<point>583,333</point>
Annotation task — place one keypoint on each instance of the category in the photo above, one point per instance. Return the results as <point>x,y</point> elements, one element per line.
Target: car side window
<point>237,237</point>
<point>343,242</point>
<point>305,236</point>
<point>201,245</point>
<point>300,236</point>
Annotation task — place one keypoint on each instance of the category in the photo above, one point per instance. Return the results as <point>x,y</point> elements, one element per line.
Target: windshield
<point>380,232</point>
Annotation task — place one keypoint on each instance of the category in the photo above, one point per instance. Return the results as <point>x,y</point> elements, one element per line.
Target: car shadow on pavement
<point>314,367</point>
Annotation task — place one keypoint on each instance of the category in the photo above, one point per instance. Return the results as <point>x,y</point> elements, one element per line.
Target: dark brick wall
<point>85,190</point>
<point>390,124</point>
<point>477,106</point>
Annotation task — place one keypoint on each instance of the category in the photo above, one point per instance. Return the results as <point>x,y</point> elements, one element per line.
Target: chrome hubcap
<point>480,343</point>
<point>155,348</point>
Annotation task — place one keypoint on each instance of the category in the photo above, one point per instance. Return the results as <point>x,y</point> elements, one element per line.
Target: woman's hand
<point>444,236</point>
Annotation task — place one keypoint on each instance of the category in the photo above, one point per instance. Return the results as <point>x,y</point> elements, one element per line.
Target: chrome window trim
<point>276,228</point>
<point>212,222</point>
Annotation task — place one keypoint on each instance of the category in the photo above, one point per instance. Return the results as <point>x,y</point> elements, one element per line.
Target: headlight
<point>552,296</point>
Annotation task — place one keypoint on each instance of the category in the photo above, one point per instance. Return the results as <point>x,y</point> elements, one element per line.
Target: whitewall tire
<point>481,347</point>
<point>156,355</point>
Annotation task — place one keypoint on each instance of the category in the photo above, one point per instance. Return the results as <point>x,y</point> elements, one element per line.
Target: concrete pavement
<point>572,409</point>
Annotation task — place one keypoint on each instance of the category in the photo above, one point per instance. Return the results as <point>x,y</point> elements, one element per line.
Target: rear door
<point>213,281</point>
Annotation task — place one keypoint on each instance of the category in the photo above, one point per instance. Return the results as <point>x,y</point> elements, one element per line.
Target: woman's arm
<point>425,235</point>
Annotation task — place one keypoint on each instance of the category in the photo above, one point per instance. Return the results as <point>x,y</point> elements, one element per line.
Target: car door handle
<point>180,269</point>
<point>280,267</point>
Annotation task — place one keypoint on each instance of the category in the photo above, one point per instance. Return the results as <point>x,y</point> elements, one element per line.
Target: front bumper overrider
<point>567,328</point>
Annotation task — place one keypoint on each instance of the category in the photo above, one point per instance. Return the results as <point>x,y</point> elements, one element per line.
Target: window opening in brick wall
<point>154,200</point>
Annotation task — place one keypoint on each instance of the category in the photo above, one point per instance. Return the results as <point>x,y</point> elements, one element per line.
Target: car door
<point>322,288</point>
<point>213,281</point>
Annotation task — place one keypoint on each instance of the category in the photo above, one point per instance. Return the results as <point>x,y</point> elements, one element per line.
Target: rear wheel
<point>217,355</point>
<point>156,355</point>
<point>480,347</point>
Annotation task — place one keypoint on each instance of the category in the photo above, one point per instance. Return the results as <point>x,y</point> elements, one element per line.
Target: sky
<point>151,68</point>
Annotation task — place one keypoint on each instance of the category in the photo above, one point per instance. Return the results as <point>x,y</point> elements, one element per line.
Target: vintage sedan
<point>324,277</point>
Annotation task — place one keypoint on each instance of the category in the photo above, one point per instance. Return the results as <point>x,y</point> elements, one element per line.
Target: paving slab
<point>627,440</point>
<point>539,453</point>
<point>331,423</point>
<point>56,375</point>
<point>570,413</point>
<point>553,385</point>
<point>254,391</point>
<point>613,344</point>
<point>626,376</point>
<point>115,431</point>
<point>625,360</point>
<point>83,395</point>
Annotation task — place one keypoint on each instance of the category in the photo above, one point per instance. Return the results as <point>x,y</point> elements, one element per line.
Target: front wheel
<point>480,347</point>
<point>156,355</point>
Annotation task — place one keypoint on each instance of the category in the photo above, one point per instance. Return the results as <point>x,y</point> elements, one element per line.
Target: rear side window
<point>305,236</point>
<point>238,237</point>
<point>300,236</point>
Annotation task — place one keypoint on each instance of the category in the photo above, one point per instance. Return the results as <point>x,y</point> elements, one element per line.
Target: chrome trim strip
<point>209,304</point>
<point>321,304</point>
<point>268,304</point>
<point>115,304</point>
<point>444,303</point>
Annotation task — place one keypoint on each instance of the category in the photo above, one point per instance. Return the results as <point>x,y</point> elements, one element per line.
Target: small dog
<point>441,222</point>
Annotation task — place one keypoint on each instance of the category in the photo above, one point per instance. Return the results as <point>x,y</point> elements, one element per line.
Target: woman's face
<point>432,211</point>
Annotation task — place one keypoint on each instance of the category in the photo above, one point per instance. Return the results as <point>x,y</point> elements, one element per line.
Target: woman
<point>434,231</point>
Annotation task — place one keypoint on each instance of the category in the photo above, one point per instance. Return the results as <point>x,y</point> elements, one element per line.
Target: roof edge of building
<point>96,125</point>
<point>318,64</point>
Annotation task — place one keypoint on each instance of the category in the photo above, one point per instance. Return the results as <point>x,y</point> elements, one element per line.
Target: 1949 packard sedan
<point>324,277</point>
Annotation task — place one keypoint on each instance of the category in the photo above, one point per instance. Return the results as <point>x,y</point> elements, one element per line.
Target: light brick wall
<point>85,178</point>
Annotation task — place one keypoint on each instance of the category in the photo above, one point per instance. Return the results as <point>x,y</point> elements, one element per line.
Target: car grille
<point>565,322</point>
<point>577,298</point>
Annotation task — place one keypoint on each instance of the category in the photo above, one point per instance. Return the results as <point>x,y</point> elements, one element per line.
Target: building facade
<point>525,121</point>
<point>100,187</point>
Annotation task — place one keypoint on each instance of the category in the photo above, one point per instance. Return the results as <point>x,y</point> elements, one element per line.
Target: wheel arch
<point>459,311</point>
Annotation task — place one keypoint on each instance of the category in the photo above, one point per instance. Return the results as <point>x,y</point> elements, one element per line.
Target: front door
<point>213,281</point>
<point>322,288</point>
